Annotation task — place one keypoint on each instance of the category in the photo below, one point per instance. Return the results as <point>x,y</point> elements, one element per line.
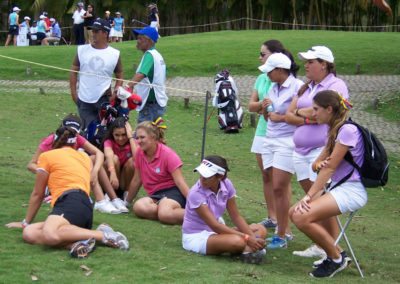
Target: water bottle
<point>270,108</point>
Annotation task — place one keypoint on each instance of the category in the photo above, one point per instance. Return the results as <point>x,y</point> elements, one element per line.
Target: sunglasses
<point>262,54</point>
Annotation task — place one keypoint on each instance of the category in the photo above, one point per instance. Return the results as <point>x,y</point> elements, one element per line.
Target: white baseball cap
<point>52,20</point>
<point>42,17</point>
<point>27,18</point>
<point>276,60</point>
<point>208,169</point>
<point>15,9</point>
<point>315,52</point>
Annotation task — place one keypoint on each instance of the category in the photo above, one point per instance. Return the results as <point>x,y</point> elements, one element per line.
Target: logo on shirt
<point>158,170</point>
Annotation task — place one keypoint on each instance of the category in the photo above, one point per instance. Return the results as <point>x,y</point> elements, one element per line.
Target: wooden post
<point>186,102</point>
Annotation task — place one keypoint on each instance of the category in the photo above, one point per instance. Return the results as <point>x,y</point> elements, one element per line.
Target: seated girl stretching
<point>207,201</point>
<point>67,173</point>
<point>119,149</point>
<point>330,108</point>
<point>96,155</point>
<point>158,168</point>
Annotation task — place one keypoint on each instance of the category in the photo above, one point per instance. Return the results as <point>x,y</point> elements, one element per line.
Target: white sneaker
<point>113,239</point>
<point>105,206</point>
<point>312,251</point>
<point>120,205</point>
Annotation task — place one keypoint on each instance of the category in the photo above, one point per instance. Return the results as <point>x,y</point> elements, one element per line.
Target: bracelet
<point>24,223</point>
<point>306,120</point>
<point>246,237</point>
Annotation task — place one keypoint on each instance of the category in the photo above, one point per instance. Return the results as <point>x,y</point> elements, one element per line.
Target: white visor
<point>208,169</point>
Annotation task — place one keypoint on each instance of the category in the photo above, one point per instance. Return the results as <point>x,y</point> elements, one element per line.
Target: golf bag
<point>124,102</point>
<point>230,113</point>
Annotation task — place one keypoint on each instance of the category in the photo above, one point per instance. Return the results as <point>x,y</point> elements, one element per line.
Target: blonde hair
<point>153,130</point>
<point>339,113</point>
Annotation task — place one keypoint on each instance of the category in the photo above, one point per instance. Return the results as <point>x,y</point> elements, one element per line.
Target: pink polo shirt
<point>122,152</point>
<point>156,174</point>
<point>46,144</point>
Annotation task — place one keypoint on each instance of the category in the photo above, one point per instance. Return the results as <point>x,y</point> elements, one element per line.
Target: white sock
<point>337,260</point>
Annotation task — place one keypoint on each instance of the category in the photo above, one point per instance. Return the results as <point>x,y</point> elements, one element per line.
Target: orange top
<point>67,169</point>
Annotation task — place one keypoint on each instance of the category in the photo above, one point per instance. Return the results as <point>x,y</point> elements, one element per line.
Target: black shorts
<point>41,36</point>
<point>172,193</point>
<point>76,207</point>
<point>14,30</point>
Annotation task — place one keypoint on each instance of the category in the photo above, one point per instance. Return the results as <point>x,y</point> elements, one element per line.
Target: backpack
<point>374,171</point>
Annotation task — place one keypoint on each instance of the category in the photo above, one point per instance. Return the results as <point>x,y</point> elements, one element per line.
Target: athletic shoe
<point>81,249</point>
<point>113,239</point>
<point>288,237</point>
<point>268,223</point>
<point>344,256</point>
<point>253,257</point>
<point>328,268</point>
<point>277,243</point>
<point>119,205</point>
<point>312,251</point>
<point>105,206</point>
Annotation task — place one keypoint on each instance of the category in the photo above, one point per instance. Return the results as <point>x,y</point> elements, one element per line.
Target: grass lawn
<point>204,54</point>
<point>388,107</point>
<point>156,255</point>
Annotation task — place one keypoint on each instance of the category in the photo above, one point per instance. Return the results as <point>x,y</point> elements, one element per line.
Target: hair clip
<point>158,123</point>
<point>345,103</point>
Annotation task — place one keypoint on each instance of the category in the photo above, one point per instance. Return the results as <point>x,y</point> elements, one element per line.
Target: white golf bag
<point>230,113</point>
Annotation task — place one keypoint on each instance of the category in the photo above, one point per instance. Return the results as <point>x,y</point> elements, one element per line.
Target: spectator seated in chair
<point>55,32</point>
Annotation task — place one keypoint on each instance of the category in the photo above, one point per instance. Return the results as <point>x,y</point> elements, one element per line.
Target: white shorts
<point>350,196</point>
<point>303,164</point>
<point>117,34</point>
<point>196,242</point>
<point>258,144</point>
<point>279,154</point>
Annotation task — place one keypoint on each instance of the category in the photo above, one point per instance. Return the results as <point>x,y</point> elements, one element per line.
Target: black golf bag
<point>230,113</point>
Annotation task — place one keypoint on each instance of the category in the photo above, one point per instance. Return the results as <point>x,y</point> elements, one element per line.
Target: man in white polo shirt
<point>96,62</point>
<point>78,24</point>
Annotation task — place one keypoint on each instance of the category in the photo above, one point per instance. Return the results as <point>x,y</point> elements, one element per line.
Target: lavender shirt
<point>302,136</point>
<point>281,97</point>
<point>198,195</point>
<point>350,136</point>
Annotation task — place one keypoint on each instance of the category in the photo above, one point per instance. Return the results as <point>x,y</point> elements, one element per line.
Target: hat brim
<point>306,55</point>
<point>140,32</point>
<point>205,171</point>
<point>265,68</point>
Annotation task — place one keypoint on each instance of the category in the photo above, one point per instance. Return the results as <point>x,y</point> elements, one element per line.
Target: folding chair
<point>343,234</point>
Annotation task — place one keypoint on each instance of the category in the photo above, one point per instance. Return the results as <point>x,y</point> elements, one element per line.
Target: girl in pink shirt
<point>158,169</point>
<point>119,149</point>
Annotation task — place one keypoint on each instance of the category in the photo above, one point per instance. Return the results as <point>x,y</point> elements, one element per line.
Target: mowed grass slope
<point>156,255</point>
<point>205,53</point>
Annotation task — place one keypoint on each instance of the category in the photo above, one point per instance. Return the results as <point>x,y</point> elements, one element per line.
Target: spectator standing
<point>149,80</point>
<point>154,19</point>
<point>23,36</point>
<point>97,61</point>
<point>41,31</point>
<point>33,33</point>
<point>78,24</point>
<point>13,22</point>
<point>89,18</point>
<point>118,31</point>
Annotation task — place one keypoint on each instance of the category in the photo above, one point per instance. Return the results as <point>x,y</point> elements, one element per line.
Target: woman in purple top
<point>278,147</point>
<point>203,233</point>
<point>331,108</point>
<point>310,137</point>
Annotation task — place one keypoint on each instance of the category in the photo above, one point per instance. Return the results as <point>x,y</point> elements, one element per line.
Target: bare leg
<point>282,193</point>
<point>267,187</point>
<point>105,184</point>
<point>170,212</point>
<point>222,243</point>
<point>127,174</point>
<point>8,40</point>
<point>146,208</point>
<point>322,208</point>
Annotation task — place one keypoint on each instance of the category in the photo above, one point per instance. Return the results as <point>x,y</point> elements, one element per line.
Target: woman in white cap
<point>207,201</point>
<point>118,31</point>
<point>321,74</point>
<point>159,169</point>
<point>257,104</point>
<point>278,149</point>
<point>13,22</point>
<point>41,30</point>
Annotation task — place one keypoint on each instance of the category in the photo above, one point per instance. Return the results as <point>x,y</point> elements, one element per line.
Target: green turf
<point>156,255</point>
<point>204,54</point>
<point>388,107</point>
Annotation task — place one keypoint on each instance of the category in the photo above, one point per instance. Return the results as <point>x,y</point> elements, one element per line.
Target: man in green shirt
<point>149,80</point>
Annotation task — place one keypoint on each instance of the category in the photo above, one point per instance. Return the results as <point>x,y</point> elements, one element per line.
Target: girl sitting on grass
<point>119,149</point>
<point>96,155</point>
<point>206,203</point>
<point>67,173</point>
<point>158,168</point>
<point>331,108</point>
